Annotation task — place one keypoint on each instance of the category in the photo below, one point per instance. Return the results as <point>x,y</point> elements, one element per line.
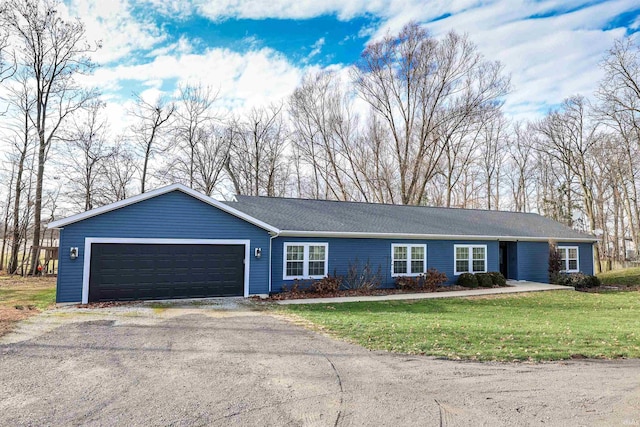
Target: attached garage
<point>138,269</point>
<point>170,243</point>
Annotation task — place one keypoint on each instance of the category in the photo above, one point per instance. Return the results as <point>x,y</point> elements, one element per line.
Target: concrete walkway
<point>513,288</point>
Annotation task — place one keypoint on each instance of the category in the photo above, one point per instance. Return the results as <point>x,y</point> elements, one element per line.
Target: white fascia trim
<point>88,241</point>
<point>366,235</point>
<point>158,192</point>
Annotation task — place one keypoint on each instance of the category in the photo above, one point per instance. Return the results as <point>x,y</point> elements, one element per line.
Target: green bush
<point>578,280</point>
<point>498,279</point>
<point>467,280</point>
<point>484,280</point>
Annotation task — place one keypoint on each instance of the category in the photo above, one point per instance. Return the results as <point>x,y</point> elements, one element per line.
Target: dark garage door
<point>125,272</point>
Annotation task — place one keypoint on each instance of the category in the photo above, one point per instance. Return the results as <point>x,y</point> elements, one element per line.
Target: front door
<point>504,259</point>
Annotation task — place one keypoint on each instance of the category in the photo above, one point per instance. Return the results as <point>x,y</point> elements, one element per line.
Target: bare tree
<point>120,169</point>
<point>416,84</point>
<point>619,109</point>
<point>570,138</point>
<point>53,51</point>
<point>256,164</point>
<point>521,165</point>
<point>151,118</point>
<point>8,64</point>
<point>193,120</point>
<point>492,150</point>
<point>210,156</point>
<point>23,138</point>
<point>85,153</point>
<point>325,131</point>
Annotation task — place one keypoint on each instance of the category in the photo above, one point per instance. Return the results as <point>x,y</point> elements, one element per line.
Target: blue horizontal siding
<point>342,252</point>
<point>174,215</point>
<point>533,261</point>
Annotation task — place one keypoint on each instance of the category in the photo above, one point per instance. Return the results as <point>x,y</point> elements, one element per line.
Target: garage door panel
<point>125,272</point>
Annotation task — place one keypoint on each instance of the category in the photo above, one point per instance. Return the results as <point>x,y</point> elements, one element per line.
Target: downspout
<point>273,236</point>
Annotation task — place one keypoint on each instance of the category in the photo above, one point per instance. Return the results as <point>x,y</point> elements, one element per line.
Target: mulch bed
<point>360,292</point>
<point>107,304</point>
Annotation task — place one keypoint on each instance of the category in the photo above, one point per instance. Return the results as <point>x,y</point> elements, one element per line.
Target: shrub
<point>498,279</point>
<point>326,285</point>
<point>295,287</point>
<point>555,263</point>
<point>408,283</point>
<point>484,280</point>
<point>467,280</point>
<point>433,278</point>
<point>364,278</point>
<point>578,280</point>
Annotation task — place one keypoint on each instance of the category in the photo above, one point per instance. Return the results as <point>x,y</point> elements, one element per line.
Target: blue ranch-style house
<point>175,242</point>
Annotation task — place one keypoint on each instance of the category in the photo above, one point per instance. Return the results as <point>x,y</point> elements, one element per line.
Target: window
<point>470,259</point>
<point>408,260</point>
<point>305,260</point>
<point>569,258</point>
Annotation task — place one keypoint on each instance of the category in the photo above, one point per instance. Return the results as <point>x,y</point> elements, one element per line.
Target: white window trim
<point>409,272</point>
<point>566,268</point>
<point>305,260</point>
<point>470,260</point>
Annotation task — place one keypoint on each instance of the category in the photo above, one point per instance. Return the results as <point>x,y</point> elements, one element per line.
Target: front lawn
<point>538,326</point>
<point>21,297</point>
<point>629,277</point>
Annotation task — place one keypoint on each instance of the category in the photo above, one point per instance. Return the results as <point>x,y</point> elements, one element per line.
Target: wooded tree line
<point>417,120</point>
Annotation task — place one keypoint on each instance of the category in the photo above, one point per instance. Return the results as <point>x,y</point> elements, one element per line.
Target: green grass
<point>540,326</point>
<point>41,298</point>
<point>627,277</point>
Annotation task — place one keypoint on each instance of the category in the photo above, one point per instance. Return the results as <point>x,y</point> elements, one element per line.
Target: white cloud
<point>316,48</point>
<point>243,80</point>
<point>549,57</point>
<point>112,23</point>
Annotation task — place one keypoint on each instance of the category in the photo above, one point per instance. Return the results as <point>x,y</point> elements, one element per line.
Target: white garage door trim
<point>88,241</point>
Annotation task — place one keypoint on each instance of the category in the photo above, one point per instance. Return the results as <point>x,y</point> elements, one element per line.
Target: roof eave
<point>368,235</point>
<point>158,192</point>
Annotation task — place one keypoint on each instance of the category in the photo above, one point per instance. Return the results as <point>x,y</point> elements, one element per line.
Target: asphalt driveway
<point>199,366</point>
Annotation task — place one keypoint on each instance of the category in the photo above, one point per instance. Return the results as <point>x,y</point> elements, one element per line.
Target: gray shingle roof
<point>326,216</point>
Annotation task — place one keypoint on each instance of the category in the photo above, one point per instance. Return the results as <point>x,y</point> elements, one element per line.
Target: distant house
<point>177,243</point>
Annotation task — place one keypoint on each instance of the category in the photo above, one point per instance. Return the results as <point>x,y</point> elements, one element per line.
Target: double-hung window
<point>305,260</point>
<point>408,260</point>
<point>569,259</point>
<point>470,259</point>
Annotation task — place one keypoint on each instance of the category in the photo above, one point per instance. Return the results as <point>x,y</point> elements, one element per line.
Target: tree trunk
<point>37,223</point>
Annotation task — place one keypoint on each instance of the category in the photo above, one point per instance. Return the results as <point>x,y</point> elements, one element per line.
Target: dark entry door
<point>126,272</point>
<point>504,259</point>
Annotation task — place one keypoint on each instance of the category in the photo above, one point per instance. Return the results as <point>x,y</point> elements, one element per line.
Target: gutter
<point>368,235</point>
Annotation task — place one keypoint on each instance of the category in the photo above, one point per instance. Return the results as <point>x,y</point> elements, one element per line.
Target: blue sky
<point>255,52</point>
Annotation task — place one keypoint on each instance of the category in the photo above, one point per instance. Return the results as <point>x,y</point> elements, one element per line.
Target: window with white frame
<point>569,258</point>
<point>470,259</point>
<point>408,260</point>
<point>305,260</point>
